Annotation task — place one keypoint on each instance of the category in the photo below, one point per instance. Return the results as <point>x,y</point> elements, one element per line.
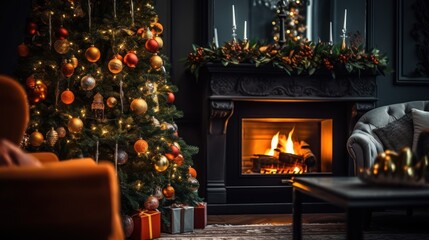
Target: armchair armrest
<point>45,157</point>
<point>363,149</point>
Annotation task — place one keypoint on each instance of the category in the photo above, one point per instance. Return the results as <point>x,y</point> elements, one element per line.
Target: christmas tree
<point>98,86</point>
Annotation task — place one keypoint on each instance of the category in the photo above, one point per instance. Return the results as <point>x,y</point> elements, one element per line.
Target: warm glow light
<point>296,170</point>
<point>289,142</point>
<point>274,143</point>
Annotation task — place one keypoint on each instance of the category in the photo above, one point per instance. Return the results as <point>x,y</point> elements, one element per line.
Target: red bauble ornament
<point>168,192</point>
<point>169,156</point>
<point>170,97</point>
<point>141,146</point>
<point>179,159</point>
<point>62,33</point>
<point>32,28</point>
<point>131,59</point>
<point>67,69</point>
<point>67,97</point>
<point>151,203</point>
<point>23,50</point>
<point>151,45</point>
<point>174,150</point>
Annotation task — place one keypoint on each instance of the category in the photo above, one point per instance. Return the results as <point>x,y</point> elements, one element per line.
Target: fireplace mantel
<point>226,86</point>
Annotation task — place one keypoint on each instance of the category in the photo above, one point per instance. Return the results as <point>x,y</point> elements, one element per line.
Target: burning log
<point>309,159</point>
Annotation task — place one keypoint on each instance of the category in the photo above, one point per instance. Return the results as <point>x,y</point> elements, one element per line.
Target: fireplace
<point>252,114</point>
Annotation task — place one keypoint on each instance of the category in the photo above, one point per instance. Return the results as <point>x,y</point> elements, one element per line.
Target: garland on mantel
<point>295,58</point>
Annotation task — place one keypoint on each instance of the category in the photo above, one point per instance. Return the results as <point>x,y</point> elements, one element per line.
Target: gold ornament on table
<point>97,107</point>
<point>75,125</point>
<point>36,139</point>
<point>92,54</point>
<point>161,163</point>
<point>399,169</point>
<point>52,137</point>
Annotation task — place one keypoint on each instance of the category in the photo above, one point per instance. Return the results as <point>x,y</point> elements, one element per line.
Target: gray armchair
<point>364,144</point>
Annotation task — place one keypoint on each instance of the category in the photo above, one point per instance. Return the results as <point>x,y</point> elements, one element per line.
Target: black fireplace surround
<point>244,91</point>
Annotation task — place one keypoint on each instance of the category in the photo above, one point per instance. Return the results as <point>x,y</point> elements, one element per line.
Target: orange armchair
<point>71,199</point>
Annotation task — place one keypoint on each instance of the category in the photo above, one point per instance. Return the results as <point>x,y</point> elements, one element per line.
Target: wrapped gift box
<point>200,215</point>
<point>180,219</point>
<point>147,225</point>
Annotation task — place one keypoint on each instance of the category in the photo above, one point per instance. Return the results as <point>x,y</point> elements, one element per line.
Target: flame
<point>281,143</point>
<point>274,143</point>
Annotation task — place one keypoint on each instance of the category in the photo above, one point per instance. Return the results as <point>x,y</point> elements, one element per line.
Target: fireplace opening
<point>286,146</point>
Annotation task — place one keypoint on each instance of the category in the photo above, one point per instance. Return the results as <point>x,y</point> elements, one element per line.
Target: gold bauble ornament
<point>52,137</point>
<point>138,106</point>
<point>156,62</point>
<point>67,69</point>
<point>62,46</point>
<point>161,163</point>
<point>74,61</point>
<point>193,172</point>
<point>141,146</point>
<point>157,28</point>
<point>61,132</point>
<point>115,66</point>
<point>111,102</point>
<point>92,54</point>
<point>159,41</point>
<point>36,139</point>
<point>75,125</point>
<point>87,82</point>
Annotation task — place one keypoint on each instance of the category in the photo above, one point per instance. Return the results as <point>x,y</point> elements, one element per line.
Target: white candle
<point>245,30</point>
<point>233,16</point>
<point>330,32</point>
<point>215,38</point>
<point>345,19</point>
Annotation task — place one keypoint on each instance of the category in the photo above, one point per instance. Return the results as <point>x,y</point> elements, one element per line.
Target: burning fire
<point>280,143</point>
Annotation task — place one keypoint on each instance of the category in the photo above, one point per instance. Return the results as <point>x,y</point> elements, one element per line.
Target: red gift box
<point>147,225</point>
<point>200,215</point>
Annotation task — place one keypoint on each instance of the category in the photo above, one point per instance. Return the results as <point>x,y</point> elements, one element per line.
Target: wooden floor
<point>274,218</point>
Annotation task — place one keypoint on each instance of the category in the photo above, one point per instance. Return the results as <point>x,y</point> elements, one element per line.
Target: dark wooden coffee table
<point>355,197</point>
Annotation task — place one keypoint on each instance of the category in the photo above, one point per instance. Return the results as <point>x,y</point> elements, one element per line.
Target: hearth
<point>249,114</point>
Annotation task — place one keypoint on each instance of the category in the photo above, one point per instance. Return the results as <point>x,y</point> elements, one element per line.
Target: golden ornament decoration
<point>157,28</point>
<point>38,93</point>
<point>147,34</point>
<point>159,41</point>
<point>75,125</point>
<point>61,132</point>
<point>52,137</point>
<point>168,192</point>
<point>161,163</point>
<point>115,66</point>
<point>62,46</point>
<point>92,54</point>
<point>67,69</point>
<point>74,61</point>
<point>36,139</point>
<point>111,102</point>
<point>138,106</point>
<point>87,82</point>
<point>156,62</point>
<point>141,146</point>
<point>67,97</point>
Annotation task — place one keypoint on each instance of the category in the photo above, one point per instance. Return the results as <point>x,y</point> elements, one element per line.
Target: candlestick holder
<point>234,34</point>
<point>343,36</point>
